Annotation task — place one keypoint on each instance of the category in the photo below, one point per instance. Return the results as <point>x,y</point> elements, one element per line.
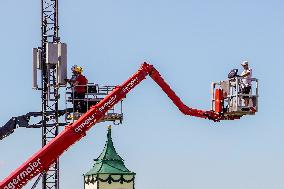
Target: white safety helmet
<point>245,63</point>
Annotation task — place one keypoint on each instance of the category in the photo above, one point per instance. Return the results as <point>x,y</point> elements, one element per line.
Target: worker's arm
<point>76,83</point>
<point>247,73</point>
<point>70,81</point>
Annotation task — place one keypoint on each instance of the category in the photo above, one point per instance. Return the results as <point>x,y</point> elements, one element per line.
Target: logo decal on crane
<point>23,175</point>
<point>111,101</point>
<point>86,122</point>
<point>130,85</point>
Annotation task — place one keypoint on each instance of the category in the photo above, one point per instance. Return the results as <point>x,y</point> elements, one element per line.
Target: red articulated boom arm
<point>72,133</point>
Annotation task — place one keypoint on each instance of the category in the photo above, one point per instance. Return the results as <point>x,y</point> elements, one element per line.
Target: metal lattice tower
<point>50,89</point>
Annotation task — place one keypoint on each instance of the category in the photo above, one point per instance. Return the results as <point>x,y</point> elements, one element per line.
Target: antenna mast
<point>49,85</point>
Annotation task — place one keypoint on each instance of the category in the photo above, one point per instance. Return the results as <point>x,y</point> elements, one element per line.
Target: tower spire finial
<point>109,133</point>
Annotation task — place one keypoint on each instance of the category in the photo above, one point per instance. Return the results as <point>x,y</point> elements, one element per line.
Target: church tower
<point>109,171</point>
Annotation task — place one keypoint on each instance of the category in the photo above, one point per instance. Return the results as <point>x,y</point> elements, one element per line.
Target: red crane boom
<point>72,133</point>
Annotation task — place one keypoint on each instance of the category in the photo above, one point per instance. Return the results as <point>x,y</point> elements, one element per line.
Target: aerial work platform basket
<point>94,94</point>
<point>228,97</point>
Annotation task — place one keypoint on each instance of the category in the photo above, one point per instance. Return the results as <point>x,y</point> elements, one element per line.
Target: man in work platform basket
<point>246,82</point>
<point>79,87</point>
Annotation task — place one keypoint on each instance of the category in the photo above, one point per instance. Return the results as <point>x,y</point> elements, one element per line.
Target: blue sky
<point>191,43</point>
